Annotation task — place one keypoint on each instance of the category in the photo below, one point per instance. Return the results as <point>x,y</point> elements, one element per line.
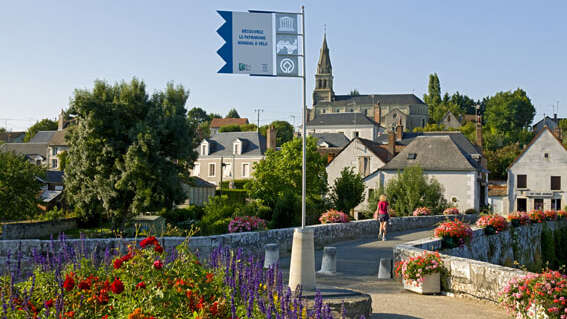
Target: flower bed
<point>550,215</point>
<point>422,211</point>
<point>334,216</point>
<point>536,216</point>
<point>246,223</point>
<point>492,224</point>
<point>451,211</point>
<point>148,282</point>
<point>453,233</point>
<point>518,218</point>
<point>537,295</point>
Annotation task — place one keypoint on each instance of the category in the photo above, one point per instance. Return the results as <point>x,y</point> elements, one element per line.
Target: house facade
<point>350,124</point>
<point>231,155</point>
<point>537,179</point>
<point>57,145</point>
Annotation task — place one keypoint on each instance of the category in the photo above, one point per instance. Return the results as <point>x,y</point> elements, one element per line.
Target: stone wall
<point>482,268</point>
<point>27,230</point>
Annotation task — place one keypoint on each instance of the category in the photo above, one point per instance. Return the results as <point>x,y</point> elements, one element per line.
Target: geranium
<point>518,218</point>
<point>158,264</point>
<point>561,214</point>
<point>117,286</point>
<point>453,233</point>
<point>333,216</point>
<point>246,223</point>
<point>421,211</point>
<point>415,268</point>
<point>536,216</point>
<point>492,224</point>
<point>69,282</point>
<point>550,215</point>
<point>451,211</point>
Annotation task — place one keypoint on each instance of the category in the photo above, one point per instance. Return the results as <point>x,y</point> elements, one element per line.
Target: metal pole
<point>304,160</point>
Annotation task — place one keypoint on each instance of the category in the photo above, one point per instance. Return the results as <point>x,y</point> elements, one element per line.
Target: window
<point>38,162</point>
<point>522,205</point>
<point>323,111</point>
<point>364,166</point>
<point>53,163</point>
<point>546,155</point>
<point>196,169</point>
<point>355,134</point>
<point>245,170</point>
<point>54,151</point>
<point>538,203</point>
<point>227,169</point>
<point>522,181</point>
<point>423,123</point>
<point>555,183</point>
<point>556,204</point>
<point>212,169</point>
<point>412,156</point>
<point>203,149</point>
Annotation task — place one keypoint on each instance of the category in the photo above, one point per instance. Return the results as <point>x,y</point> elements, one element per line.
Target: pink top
<point>383,208</point>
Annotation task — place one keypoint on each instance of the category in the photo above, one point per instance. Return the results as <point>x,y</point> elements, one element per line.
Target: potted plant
<point>561,214</point>
<point>451,211</point>
<point>518,218</point>
<point>536,216</point>
<point>492,224</point>
<point>334,216</point>
<point>453,233</point>
<point>550,215</point>
<point>421,274</point>
<point>422,211</point>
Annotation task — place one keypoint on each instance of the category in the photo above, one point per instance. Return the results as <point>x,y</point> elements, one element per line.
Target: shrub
<point>492,224</point>
<point>348,190</point>
<point>179,215</point>
<point>536,216</point>
<point>238,183</point>
<point>421,211</point>
<point>451,211</point>
<point>246,223</point>
<point>537,295</point>
<point>254,208</point>
<point>415,268</point>
<point>233,195</point>
<point>218,213</point>
<point>470,211</point>
<point>453,233</point>
<point>334,216</point>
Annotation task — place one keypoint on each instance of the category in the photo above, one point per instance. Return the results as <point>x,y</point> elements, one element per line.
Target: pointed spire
<point>324,65</point>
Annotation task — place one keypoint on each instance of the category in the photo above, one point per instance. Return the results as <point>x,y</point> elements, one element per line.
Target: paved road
<point>357,267</point>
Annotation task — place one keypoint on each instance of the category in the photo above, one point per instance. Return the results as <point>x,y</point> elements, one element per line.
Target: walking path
<point>357,267</point>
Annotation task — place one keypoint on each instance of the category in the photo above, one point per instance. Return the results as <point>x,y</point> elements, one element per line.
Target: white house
<point>361,154</point>
<point>448,157</point>
<point>351,124</point>
<point>537,179</point>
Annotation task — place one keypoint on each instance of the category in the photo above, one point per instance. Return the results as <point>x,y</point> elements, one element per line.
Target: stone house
<point>385,109</point>
<point>537,178</point>
<point>450,158</point>
<point>36,153</point>
<point>449,120</point>
<point>351,124</point>
<point>217,123</point>
<point>231,155</point>
<point>365,156</point>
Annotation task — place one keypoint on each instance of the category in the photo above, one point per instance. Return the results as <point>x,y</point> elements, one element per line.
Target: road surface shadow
<point>391,316</point>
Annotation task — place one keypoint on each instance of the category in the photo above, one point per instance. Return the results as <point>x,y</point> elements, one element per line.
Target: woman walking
<point>383,216</point>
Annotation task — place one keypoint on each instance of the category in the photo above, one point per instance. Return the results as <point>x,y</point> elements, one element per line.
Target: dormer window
<point>204,149</point>
<point>237,147</point>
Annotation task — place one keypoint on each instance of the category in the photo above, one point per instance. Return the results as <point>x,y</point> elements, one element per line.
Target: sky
<point>50,48</point>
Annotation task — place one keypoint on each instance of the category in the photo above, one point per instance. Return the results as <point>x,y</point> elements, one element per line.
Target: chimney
<point>392,143</point>
<point>479,131</point>
<point>399,130</point>
<point>61,121</point>
<point>555,118</point>
<point>271,137</point>
<point>377,113</point>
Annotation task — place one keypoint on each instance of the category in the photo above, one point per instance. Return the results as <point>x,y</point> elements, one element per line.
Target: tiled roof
<point>217,123</point>
<point>221,144</point>
<point>343,118</point>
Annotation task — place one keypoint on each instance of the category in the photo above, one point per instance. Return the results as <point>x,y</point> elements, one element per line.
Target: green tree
<point>354,92</point>
<point>508,112</point>
<point>412,189</point>
<point>43,125</point>
<point>284,131</point>
<point>197,115</point>
<point>277,181</point>
<point>348,190</point>
<point>128,151</point>
<point>499,160</point>
<point>233,114</point>
<point>18,187</point>
<point>63,160</point>
<point>433,96</point>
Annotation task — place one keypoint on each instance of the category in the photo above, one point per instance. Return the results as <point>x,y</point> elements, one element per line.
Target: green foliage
<point>354,92</point>
<point>18,187</point>
<point>411,189</point>
<point>278,177</point>
<point>254,208</point>
<point>348,190</point>
<point>63,160</point>
<point>499,160</point>
<point>234,195</point>
<point>238,183</point>
<point>284,131</point>
<point>127,151</point>
<point>238,128</point>
<point>433,98</point>
<point>232,114</point>
<point>43,125</point>
<point>374,198</point>
<point>508,112</point>
<point>548,249</point>
<point>178,216</point>
<point>221,209</point>
<point>432,127</point>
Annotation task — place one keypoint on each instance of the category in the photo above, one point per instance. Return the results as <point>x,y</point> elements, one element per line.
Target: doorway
<point>538,203</point>
<point>522,205</point>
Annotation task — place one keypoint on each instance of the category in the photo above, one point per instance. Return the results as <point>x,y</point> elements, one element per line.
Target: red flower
<point>69,283</point>
<point>102,297</point>
<point>117,286</point>
<point>127,257</point>
<point>117,263</point>
<point>85,284</point>
<point>158,248</point>
<point>49,303</point>
<point>141,285</point>
<point>148,241</point>
<point>209,277</point>
<point>70,314</point>
<point>158,264</point>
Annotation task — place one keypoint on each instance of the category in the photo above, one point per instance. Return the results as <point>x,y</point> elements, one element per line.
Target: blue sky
<point>49,48</point>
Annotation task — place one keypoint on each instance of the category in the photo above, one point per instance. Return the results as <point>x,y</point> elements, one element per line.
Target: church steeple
<point>324,77</point>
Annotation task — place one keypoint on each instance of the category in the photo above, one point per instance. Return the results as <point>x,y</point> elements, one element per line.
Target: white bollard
<point>385,270</point>
<point>272,255</point>
<point>302,264</point>
<point>329,261</point>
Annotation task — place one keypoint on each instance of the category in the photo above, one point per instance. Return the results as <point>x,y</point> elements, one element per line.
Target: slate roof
<point>221,144</point>
<point>343,118</point>
<point>546,121</point>
<point>58,138</point>
<point>436,153</point>
<point>332,139</point>
<point>408,137</point>
<point>54,177</point>
<point>25,148</point>
<point>217,123</point>
<point>42,137</point>
<point>373,147</point>
<point>383,99</point>
<point>196,181</point>
<point>12,137</point>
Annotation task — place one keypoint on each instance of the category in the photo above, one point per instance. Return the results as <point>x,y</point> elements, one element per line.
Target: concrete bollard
<point>272,255</point>
<point>385,270</point>
<point>329,262</point>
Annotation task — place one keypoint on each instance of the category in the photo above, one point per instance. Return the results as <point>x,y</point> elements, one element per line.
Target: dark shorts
<point>383,217</point>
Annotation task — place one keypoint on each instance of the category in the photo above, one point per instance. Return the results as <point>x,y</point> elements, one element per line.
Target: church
<point>387,110</point>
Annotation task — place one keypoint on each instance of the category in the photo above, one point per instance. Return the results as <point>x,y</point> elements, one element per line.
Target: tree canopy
<point>509,111</point>
<point>43,125</point>
<point>232,114</point>
<point>348,190</point>
<point>128,151</point>
<point>284,131</point>
<point>18,187</point>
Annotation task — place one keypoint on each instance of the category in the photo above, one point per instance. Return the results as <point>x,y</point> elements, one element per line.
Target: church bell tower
<point>324,77</point>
